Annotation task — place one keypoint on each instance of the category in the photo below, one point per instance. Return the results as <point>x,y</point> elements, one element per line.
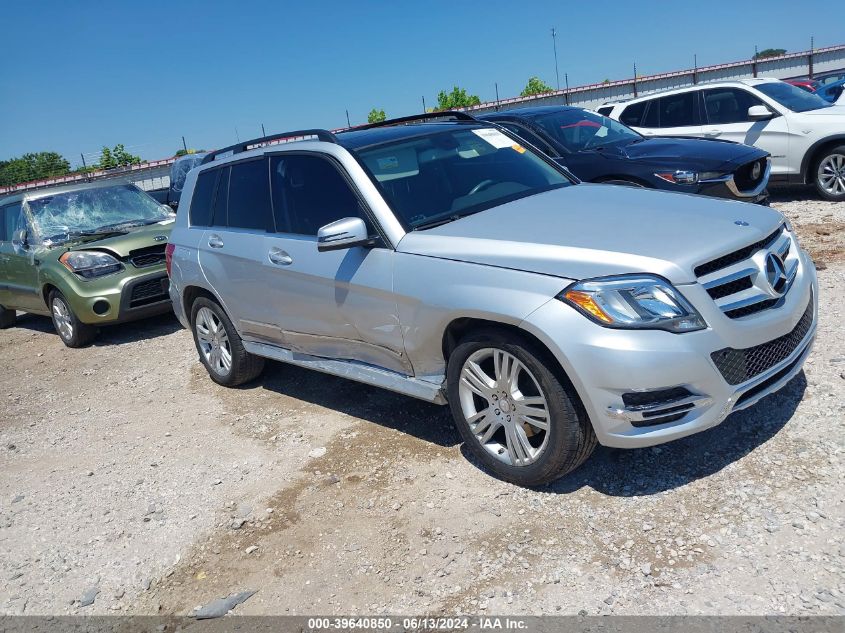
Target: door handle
<point>214,241</point>
<point>278,256</point>
<point>712,133</point>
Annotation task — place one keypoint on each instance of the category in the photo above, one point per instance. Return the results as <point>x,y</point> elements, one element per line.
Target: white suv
<point>804,134</point>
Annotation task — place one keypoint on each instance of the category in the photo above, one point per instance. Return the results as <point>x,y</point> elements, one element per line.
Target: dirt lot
<point>129,476</point>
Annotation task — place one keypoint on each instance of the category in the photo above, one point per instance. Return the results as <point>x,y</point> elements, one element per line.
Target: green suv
<point>87,255</point>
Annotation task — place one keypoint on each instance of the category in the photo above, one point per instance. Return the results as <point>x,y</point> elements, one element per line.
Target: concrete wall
<point>591,96</point>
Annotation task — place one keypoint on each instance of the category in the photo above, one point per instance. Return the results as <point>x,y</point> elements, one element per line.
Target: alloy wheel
<point>62,318</point>
<point>831,174</point>
<point>213,341</point>
<point>504,406</point>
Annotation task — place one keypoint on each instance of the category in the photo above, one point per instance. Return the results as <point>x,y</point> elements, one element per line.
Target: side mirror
<point>341,234</point>
<point>759,113</point>
<point>20,239</point>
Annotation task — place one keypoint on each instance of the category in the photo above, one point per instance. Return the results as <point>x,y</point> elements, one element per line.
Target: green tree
<point>117,157</point>
<point>33,166</point>
<point>770,52</point>
<point>376,116</point>
<point>535,86</point>
<point>458,98</point>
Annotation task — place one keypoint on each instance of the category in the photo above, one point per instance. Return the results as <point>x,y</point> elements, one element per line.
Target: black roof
<point>529,112</point>
<point>356,139</point>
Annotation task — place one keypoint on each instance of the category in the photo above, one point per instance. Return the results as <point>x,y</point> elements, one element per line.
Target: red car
<point>805,84</point>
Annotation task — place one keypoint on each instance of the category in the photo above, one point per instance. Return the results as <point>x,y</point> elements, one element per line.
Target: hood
<point>836,110</point>
<point>121,245</point>
<point>695,153</point>
<point>588,230</point>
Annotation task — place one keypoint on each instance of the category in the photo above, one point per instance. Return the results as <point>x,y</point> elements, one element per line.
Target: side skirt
<point>360,372</point>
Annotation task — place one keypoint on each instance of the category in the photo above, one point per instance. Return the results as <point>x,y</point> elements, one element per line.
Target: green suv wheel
<point>7,318</point>
<point>72,331</point>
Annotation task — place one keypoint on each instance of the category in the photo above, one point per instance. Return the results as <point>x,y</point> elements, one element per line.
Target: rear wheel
<point>72,331</point>
<point>829,178</point>
<point>513,412</point>
<point>220,346</point>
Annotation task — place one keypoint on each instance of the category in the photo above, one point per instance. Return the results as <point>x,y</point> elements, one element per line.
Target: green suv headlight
<point>90,264</point>
<point>633,302</point>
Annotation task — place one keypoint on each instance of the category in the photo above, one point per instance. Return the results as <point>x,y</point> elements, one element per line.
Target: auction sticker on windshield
<point>494,137</point>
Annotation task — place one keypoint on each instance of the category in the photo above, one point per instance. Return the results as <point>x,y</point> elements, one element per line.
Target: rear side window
<point>728,105</point>
<point>249,196</point>
<point>678,110</point>
<point>221,200</point>
<point>633,114</point>
<point>10,221</point>
<point>309,192</point>
<point>202,198</point>
<point>605,110</point>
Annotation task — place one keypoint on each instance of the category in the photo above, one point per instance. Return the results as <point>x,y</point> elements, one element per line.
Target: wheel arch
<point>460,327</point>
<point>191,293</point>
<point>814,152</point>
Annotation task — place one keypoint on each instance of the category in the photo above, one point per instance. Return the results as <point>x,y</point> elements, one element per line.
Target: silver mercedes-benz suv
<point>447,260</point>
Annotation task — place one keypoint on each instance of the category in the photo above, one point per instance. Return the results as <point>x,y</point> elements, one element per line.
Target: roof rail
<point>237,148</point>
<point>454,114</point>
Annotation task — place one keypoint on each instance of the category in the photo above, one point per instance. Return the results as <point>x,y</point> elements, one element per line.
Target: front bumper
<point>614,371</point>
<point>119,298</point>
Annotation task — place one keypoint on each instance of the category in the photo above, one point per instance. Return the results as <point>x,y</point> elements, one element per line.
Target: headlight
<point>90,264</point>
<point>679,177</point>
<point>686,177</point>
<point>633,302</point>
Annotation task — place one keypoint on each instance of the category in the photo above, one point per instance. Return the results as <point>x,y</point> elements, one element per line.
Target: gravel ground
<point>130,479</point>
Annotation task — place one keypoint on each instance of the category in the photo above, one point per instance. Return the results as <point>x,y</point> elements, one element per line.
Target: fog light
<point>101,307</point>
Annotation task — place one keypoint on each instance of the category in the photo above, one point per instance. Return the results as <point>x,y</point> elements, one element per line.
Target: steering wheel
<point>482,185</point>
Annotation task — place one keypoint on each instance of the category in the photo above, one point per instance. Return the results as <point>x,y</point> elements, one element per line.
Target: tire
<point>73,332</point>
<point>7,318</point>
<point>217,342</point>
<point>829,174</point>
<point>566,442</point>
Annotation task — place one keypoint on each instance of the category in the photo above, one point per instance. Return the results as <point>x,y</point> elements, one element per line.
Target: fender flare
<point>805,162</point>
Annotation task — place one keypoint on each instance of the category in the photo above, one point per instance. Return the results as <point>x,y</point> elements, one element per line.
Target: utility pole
<point>263,133</point>
<point>348,124</point>
<point>754,63</point>
<point>695,68</point>
<point>424,110</point>
<point>184,144</point>
<point>812,48</point>
<point>496,83</point>
<point>554,46</point>
<point>237,136</point>
<point>635,80</point>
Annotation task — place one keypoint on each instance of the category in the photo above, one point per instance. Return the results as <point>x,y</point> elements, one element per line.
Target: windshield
<point>447,175</point>
<point>93,211</point>
<point>578,130</point>
<point>792,97</point>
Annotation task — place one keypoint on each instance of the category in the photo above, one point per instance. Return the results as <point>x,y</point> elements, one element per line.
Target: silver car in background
<point>448,261</point>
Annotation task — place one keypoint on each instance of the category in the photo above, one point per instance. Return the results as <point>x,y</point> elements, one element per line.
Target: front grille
<point>729,288</point>
<point>743,178</point>
<point>740,365</point>
<point>737,256</point>
<point>144,257</point>
<point>147,292</point>
<point>754,308</point>
<point>745,397</point>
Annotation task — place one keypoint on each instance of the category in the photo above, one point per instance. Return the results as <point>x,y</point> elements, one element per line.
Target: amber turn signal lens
<point>586,302</point>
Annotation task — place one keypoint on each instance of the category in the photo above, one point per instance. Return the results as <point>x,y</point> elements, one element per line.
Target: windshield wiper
<point>432,223</point>
<point>119,226</point>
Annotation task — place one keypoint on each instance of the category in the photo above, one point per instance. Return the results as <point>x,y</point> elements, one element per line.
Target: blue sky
<point>75,76</point>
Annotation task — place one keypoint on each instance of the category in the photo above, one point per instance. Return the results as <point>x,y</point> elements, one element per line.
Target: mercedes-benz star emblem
<point>775,274</point>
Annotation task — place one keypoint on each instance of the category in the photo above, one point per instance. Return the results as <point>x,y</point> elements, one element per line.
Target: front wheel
<point>513,412</point>
<point>830,174</point>
<point>72,331</point>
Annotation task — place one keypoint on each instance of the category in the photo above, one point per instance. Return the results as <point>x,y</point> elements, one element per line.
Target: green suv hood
<point>121,245</point>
